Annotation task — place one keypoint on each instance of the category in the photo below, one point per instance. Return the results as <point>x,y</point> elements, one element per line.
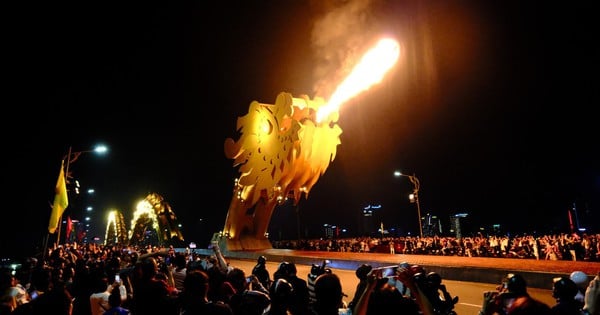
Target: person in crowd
<point>115,301</point>
<point>99,299</point>
<point>591,304</point>
<point>216,267</point>
<point>179,271</point>
<point>52,297</point>
<point>512,298</point>
<point>221,262</point>
<point>435,290</point>
<point>82,288</point>
<point>226,292</point>
<point>581,281</point>
<point>247,301</point>
<point>329,295</point>
<point>398,284</point>
<point>315,271</point>
<point>361,273</point>
<point>194,297</point>
<point>19,291</point>
<point>564,291</point>
<point>11,291</point>
<point>151,294</point>
<point>281,293</point>
<point>7,298</point>
<point>261,272</point>
<point>216,276</point>
<point>300,298</point>
<point>425,293</point>
<point>378,296</point>
<point>163,275</point>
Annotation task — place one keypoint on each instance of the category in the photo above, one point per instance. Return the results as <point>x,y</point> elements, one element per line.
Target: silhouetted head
<point>285,269</point>
<point>515,284</point>
<point>261,260</point>
<point>254,302</point>
<point>363,270</point>
<point>195,283</point>
<point>328,292</point>
<point>434,280</point>
<point>281,291</point>
<point>149,267</point>
<point>180,260</point>
<point>564,288</point>
<point>237,278</point>
<point>416,269</point>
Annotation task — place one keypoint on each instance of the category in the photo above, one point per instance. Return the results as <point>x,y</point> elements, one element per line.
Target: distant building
<point>431,225</point>
<point>456,224</point>
<point>370,224</point>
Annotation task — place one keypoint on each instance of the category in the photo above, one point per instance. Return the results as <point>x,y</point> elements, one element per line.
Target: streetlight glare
<point>101,149</point>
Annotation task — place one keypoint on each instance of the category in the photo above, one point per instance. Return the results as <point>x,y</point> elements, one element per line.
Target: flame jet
<point>285,147</point>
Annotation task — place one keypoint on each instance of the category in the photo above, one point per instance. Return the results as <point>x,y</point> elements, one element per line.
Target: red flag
<point>570,220</point>
<point>80,235</point>
<point>69,228</point>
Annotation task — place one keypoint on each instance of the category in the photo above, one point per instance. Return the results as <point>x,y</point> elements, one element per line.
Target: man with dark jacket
<point>261,272</point>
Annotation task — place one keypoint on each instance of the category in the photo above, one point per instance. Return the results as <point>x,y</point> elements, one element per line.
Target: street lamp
<point>70,158</point>
<point>414,197</point>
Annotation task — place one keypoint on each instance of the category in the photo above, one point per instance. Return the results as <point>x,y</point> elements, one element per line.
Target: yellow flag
<point>61,201</point>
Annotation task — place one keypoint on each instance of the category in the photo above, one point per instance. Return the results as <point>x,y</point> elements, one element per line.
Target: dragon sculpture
<point>281,153</point>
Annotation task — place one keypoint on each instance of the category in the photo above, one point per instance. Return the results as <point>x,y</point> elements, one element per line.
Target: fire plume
<point>368,72</point>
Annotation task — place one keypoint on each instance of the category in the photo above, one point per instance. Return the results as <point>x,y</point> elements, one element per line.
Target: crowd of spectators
<point>564,246</point>
<point>105,280</point>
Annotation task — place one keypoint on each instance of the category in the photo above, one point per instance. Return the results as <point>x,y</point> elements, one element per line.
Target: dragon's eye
<point>266,127</point>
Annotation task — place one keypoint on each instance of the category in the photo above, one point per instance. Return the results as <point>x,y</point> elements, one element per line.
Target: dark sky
<point>491,106</point>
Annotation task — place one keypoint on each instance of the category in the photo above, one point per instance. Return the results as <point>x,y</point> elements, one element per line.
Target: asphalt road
<point>470,293</point>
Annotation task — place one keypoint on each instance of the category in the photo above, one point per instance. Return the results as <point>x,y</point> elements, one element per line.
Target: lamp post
<point>70,158</point>
<point>414,197</point>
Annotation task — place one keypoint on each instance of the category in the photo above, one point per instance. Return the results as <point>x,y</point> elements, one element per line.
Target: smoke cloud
<point>340,36</point>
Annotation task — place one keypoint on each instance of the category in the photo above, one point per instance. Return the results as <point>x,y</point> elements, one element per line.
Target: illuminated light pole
<point>70,158</point>
<point>414,197</point>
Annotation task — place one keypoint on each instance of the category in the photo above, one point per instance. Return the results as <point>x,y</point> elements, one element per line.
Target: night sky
<point>491,106</point>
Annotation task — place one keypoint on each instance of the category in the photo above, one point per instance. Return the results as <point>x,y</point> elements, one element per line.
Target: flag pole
<point>66,182</point>
<point>45,246</point>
